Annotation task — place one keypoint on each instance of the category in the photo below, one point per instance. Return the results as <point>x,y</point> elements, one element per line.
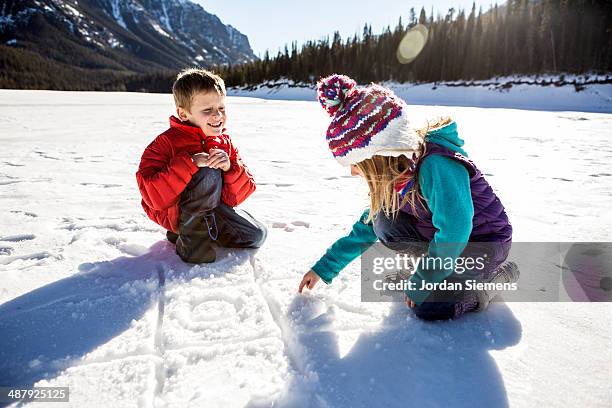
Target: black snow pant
<point>205,220</point>
<point>400,234</point>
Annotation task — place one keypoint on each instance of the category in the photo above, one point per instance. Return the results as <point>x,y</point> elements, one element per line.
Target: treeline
<point>24,69</point>
<point>520,37</point>
<point>46,57</point>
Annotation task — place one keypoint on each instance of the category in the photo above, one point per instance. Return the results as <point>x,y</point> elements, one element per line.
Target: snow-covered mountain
<point>131,35</point>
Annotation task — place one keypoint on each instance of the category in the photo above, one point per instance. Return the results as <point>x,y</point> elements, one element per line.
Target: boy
<point>191,175</point>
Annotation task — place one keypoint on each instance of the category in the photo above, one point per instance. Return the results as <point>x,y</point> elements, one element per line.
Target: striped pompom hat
<point>365,121</point>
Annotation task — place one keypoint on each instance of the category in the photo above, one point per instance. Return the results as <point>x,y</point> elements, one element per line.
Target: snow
<point>160,30</point>
<point>521,94</point>
<point>165,19</point>
<point>72,10</point>
<point>116,10</point>
<point>113,42</point>
<point>93,297</point>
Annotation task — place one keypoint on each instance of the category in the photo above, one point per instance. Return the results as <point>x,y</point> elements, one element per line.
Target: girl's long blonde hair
<point>382,174</point>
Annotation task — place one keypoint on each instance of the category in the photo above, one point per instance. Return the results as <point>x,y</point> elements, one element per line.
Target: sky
<point>272,24</point>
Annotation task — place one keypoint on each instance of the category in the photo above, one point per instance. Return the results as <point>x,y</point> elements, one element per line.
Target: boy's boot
<point>194,243</point>
<point>171,236</point>
<point>508,272</point>
<point>197,223</point>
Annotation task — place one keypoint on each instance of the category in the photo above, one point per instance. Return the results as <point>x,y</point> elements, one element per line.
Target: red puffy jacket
<point>166,168</point>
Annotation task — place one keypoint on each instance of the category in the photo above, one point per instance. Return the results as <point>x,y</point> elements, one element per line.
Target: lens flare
<point>587,272</point>
<point>412,44</point>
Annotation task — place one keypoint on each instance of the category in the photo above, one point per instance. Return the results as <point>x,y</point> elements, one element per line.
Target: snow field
<point>93,297</point>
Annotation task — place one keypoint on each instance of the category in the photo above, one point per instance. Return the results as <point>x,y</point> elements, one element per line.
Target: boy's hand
<point>200,159</point>
<point>309,280</point>
<point>218,159</point>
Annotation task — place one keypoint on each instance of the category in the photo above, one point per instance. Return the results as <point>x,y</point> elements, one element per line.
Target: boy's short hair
<point>192,81</point>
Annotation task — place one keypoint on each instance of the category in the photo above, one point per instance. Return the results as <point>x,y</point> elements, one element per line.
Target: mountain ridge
<point>114,38</point>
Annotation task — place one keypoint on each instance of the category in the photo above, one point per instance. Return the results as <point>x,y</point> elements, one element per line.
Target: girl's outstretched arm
<point>343,251</point>
<point>309,280</point>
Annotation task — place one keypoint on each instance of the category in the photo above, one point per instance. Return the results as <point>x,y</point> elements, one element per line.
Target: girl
<point>423,188</point>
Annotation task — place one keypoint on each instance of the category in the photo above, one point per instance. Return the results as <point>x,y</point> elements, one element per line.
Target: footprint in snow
<point>6,250</point>
<point>18,238</point>
<point>102,185</point>
<point>44,155</point>
<point>35,256</point>
<point>13,164</point>
<point>290,227</point>
<point>26,213</point>
<point>275,184</point>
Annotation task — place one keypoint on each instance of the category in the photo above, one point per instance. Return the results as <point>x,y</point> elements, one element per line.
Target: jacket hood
<point>448,137</point>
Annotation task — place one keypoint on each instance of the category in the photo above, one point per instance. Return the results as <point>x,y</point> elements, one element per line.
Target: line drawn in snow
<point>37,256</point>
<point>6,183</point>
<point>160,375</point>
<point>18,238</point>
<point>106,297</point>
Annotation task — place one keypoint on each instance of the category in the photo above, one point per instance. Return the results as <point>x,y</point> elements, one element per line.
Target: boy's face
<point>207,112</point>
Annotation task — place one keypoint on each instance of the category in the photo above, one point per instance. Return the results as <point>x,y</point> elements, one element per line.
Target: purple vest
<point>490,222</point>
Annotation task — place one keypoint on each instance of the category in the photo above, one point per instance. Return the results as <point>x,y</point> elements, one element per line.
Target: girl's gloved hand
<point>309,280</point>
<point>409,302</point>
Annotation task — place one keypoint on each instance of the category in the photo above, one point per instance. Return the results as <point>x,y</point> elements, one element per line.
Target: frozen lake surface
<point>93,297</point>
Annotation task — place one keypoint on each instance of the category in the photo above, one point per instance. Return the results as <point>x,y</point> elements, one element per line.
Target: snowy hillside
<point>93,297</point>
<point>146,29</point>
<point>585,93</point>
<point>95,44</point>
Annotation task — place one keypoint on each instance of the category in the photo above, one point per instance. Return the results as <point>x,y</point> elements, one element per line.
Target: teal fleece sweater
<point>445,185</point>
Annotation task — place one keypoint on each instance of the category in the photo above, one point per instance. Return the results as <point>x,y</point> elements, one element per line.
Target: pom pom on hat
<point>334,90</point>
<point>365,122</point>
